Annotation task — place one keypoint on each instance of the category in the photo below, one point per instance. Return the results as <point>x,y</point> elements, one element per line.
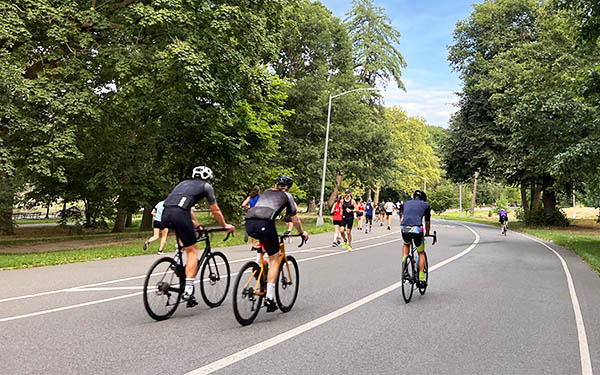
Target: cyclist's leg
<point>406,238</point>
<point>420,245</point>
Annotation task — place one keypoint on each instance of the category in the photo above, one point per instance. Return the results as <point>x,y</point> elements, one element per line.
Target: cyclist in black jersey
<point>178,214</point>
<point>260,224</point>
<point>349,206</point>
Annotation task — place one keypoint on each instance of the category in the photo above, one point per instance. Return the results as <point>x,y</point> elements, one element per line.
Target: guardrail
<point>27,216</point>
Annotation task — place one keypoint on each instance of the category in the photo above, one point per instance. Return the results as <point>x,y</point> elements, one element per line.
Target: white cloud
<point>436,104</point>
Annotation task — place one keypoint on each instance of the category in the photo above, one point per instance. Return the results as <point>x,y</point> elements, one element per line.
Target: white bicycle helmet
<point>203,173</point>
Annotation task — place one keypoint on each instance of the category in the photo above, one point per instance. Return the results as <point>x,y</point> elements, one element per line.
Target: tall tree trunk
<point>120,221</point>
<point>7,199</point>
<point>549,201</point>
<point>338,182</point>
<point>368,194</point>
<point>312,206</point>
<point>129,221</point>
<point>536,193</point>
<point>524,202</point>
<point>48,210</point>
<point>377,190</point>
<point>64,209</point>
<point>146,224</point>
<point>474,197</point>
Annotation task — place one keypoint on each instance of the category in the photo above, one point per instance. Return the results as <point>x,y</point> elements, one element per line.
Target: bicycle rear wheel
<point>214,279</point>
<point>426,270</point>
<point>246,304</point>
<point>163,288</point>
<point>408,278</point>
<point>288,282</point>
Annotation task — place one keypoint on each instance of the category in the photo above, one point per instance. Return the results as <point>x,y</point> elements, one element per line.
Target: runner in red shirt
<point>336,210</point>
<point>360,214</point>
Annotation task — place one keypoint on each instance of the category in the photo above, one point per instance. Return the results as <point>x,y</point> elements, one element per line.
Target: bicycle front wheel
<point>288,282</point>
<point>408,278</point>
<point>246,304</point>
<point>214,279</point>
<point>163,288</point>
<point>422,289</point>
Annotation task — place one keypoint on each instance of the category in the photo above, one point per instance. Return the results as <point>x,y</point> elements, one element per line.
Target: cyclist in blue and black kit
<point>412,228</point>
<point>178,214</point>
<point>260,224</point>
<point>503,217</point>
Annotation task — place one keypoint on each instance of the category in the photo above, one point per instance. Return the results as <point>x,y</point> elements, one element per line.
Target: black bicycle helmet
<point>285,180</point>
<point>420,194</point>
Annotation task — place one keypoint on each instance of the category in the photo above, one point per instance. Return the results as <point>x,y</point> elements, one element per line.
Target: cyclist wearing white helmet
<point>178,214</point>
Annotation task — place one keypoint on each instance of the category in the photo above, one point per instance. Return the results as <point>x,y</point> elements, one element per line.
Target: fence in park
<point>27,216</point>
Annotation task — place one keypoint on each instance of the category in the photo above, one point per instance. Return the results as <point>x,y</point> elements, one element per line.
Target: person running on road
<point>336,210</point>
<point>349,206</point>
<point>412,228</point>
<point>248,203</point>
<point>400,210</point>
<point>389,210</point>
<point>159,228</point>
<point>178,214</point>
<point>369,216</point>
<point>260,224</point>
<point>377,212</point>
<point>360,213</point>
<point>381,213</point>
<point>503,218</point>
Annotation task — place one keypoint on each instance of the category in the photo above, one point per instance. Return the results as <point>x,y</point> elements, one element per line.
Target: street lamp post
<point>320,217</point>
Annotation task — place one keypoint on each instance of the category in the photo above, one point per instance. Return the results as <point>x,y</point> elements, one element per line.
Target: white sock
<point>270,290</point>
<point>258,259</point>
<point>189,286</point>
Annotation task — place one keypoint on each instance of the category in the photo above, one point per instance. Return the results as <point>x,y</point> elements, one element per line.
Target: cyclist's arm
<point>196,225</point>
<point>427,220</point>
<point>298,226</point>
<point>217,214</point>
<point>427,227</point>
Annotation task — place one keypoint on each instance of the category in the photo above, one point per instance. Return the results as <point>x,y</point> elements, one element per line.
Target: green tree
<point>374,41</point>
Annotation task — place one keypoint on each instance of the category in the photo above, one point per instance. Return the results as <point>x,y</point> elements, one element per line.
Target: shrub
<point>540,218</point>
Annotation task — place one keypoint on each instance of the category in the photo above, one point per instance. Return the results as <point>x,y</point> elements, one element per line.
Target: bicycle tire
<point>288,276</point>
<point>247,274</point>
<point>423,289</point>
<point>160,283</point>
<point>215,279</point>
<point>408,278</point>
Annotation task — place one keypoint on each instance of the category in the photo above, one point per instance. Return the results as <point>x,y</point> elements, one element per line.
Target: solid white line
<point>136,294</point>
<point>245,353</point>
<point>143,276</point>
<point>105,289</point>
<point>584,350</point>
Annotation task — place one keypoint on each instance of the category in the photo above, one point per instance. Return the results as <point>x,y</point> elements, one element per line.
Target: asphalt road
<point>495,305</point>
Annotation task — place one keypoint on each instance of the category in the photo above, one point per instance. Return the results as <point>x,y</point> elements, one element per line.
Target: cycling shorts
<point>180,219</point>
<point>503,219</point>
<point>347,222</point>
<point>413,234</point>
<point>264,231</point>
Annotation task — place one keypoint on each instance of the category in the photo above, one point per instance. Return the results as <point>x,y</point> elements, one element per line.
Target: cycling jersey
<point>270,205</point>
<point>414,211</point>
<point>503,213</point>
<point>189,192</point>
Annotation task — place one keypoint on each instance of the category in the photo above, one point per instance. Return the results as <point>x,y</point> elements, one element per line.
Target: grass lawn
<point>38,221</point>
<point>581,237</point>
<point>15,261</point>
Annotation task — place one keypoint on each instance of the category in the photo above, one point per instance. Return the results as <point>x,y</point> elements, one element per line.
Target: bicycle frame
<point>203,236</point>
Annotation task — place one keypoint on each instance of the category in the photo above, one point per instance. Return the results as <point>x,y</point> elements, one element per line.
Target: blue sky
<point>426,27</point>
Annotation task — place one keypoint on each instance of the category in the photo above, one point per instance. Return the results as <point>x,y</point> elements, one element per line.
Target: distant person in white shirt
<point>389,210</point>
<point>159,228</point>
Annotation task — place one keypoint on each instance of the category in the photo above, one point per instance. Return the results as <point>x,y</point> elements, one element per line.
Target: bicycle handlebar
<point>434,236</point>
<point>287,234</point>
<point>203,232</point>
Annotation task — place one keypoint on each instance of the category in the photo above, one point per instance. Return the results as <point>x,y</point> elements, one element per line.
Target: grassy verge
<point>36,221</point>
<point>582,237</point>
<point>15,261</point>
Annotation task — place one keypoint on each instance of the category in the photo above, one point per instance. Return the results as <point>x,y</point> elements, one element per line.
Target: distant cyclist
<point>260,224</point>
<point>503,218</point>
<point>412,227</point>
<point>178,214</point>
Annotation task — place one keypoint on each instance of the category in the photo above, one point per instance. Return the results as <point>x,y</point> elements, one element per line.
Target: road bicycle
<point>165,282</point>
<point>410,271</point>
<point>250,286</point>
<point>505,227</point>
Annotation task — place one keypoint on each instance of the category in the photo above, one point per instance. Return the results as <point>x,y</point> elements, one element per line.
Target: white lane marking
<point>245,353</point>
<point>139,293</point>
<point>101,289</point>
<point>143,276</point>
<point>584,350</point>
